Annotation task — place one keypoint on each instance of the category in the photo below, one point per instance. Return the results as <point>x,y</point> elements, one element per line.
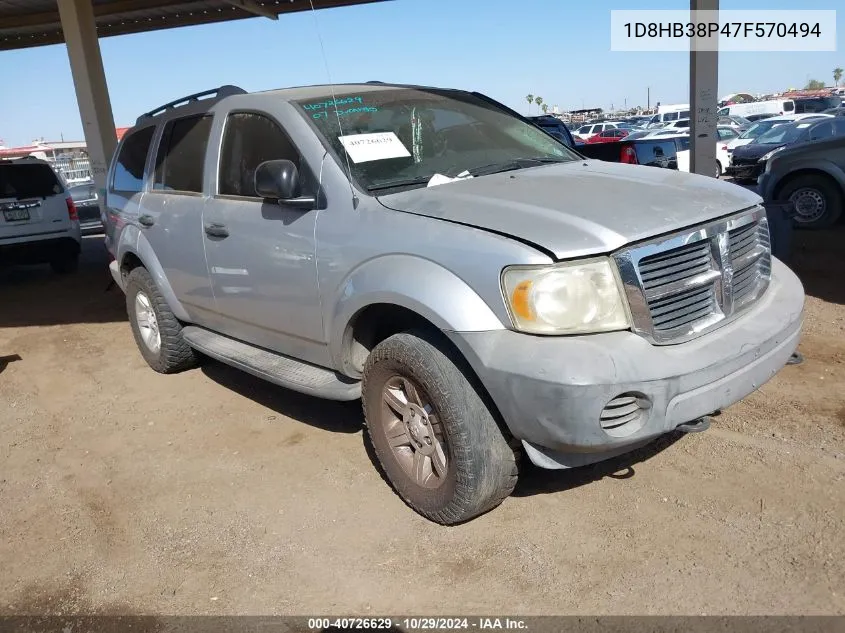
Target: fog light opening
<point>625,414</point>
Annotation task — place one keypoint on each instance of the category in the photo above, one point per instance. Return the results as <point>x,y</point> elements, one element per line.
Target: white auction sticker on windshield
<point>363,148</point>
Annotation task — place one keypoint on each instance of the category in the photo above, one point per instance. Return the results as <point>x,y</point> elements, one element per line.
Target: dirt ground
<point>211,492</point>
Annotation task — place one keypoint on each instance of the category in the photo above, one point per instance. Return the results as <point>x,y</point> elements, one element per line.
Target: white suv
<point>38,220</point>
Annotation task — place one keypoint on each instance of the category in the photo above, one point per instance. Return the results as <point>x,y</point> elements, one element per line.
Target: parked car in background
<point>840,111</point>
<point>722,157</point>
<point>586,131</point>
<point>608,135</point>
<point>87,207</point>
<point>38,219</point>
<point>649,150</point>
<point>810,176</point>
<point>735,121</point>
<point>555,127</point>
<point>749,161</point>
<point>760,127</point>
<point>770,106</point>
<point>504,296</point>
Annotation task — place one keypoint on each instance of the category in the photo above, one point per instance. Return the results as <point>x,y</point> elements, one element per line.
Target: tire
<point>813,188</point>
<point>66,264</point>
<point>481,467</point>
<point>718,170</point>
<point>172,354</point>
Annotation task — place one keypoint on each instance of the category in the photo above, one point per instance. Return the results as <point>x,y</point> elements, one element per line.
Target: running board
<point>276,368</point>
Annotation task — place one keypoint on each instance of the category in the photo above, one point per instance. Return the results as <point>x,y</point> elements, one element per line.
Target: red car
<point>609,135</point>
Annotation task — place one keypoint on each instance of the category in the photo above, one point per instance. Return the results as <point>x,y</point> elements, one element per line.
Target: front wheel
<point>817,200</point>
<point>434,436</point>
<point>718,170</point>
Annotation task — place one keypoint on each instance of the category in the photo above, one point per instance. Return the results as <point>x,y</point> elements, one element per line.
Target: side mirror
<point>279,180</point>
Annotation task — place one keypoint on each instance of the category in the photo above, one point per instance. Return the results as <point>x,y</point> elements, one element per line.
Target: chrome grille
<point>690,282</point>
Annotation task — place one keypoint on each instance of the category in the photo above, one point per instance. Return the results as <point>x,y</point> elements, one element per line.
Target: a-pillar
<point>89,78</point>
<point>704,84</point>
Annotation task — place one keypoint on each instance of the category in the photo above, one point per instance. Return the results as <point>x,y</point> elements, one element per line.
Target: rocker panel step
<point>273,367</point>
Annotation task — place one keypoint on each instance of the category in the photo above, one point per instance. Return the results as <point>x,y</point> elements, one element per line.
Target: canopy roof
<point>27,23</point>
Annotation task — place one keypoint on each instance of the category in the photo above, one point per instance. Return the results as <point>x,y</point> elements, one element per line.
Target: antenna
<point>334,102</point>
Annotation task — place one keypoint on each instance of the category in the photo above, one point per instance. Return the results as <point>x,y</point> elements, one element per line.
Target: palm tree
<point>545,108</point>
<point>837,75</point>
<point>538,101</point>
<point>530,99</point>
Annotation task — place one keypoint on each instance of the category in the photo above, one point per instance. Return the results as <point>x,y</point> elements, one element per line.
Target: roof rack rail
<point>219,93</point>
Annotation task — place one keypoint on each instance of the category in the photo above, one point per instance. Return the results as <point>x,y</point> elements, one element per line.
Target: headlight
<point>571,298</point>
<point>768,155</point>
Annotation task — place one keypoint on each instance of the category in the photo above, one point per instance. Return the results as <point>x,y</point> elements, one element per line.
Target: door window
<point>788,106</point>
<point>129,169</point>
<point>181,154</point>
<point>822,130</point>
<point>249,140</point>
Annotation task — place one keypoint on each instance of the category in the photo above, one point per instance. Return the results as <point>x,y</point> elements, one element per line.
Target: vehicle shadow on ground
<point>536,481</point>
<point>329,415</point>
<point>9,358</point>
<point>818,258</point>
<point>35,295</point>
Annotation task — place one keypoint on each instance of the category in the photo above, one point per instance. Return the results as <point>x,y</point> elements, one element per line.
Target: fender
<point>417,284</point>
<point>133,241</point>
<point>817,164</point>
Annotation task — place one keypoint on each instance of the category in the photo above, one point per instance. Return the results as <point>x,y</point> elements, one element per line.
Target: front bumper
<point>551,391</point>
<point>745,171</point>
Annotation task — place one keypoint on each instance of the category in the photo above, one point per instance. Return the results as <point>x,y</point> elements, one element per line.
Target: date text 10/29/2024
<point>416,624</point>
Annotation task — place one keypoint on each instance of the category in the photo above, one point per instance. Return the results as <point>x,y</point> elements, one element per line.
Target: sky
<point>558,49</point>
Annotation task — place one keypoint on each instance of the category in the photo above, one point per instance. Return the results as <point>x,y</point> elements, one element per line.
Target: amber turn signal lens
<point>520,300</point>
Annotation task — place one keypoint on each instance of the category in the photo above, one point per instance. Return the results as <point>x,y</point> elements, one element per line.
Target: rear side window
<point>129,170</point>
<point>788,106</point>
<point>35,180</point>
<point>181,154</point>
<point>248,140</point>
<point>670,116</point>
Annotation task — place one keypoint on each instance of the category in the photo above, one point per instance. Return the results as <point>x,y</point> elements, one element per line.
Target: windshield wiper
<point>406,182</point>
<point>512,164</point>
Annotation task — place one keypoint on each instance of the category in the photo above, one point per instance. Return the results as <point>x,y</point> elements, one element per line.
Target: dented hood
<point>578,208</point>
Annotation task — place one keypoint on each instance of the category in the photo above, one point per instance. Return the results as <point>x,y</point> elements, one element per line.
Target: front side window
<point>788,106</point>
<point>181,154</point>
<point>822,130</point>
<point>401,137</point>
<point>670,116</point>
<point>250,139</point>
<point>129,168</point>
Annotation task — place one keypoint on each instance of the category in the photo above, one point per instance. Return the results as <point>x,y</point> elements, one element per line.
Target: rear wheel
<point>434,436</point>
<point>157,331</point>
<point>718,170</point>
<point>817,200</point>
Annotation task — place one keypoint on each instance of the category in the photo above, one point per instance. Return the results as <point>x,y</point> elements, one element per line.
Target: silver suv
<point>38,218</point>
<point>484,289</point>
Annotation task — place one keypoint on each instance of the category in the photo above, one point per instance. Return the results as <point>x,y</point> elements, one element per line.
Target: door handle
<point>146,220</point>
<point>216,230</point>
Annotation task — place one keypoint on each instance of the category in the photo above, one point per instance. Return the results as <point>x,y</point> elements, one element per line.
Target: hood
<point>578,208</point>
<point>756,150</point>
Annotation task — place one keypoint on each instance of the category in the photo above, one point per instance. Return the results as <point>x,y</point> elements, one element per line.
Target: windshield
<point>404,136</point>
<point>759,128</point>
<point>33,180</point>
<point>784,134</point>
<point>741,120</point>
